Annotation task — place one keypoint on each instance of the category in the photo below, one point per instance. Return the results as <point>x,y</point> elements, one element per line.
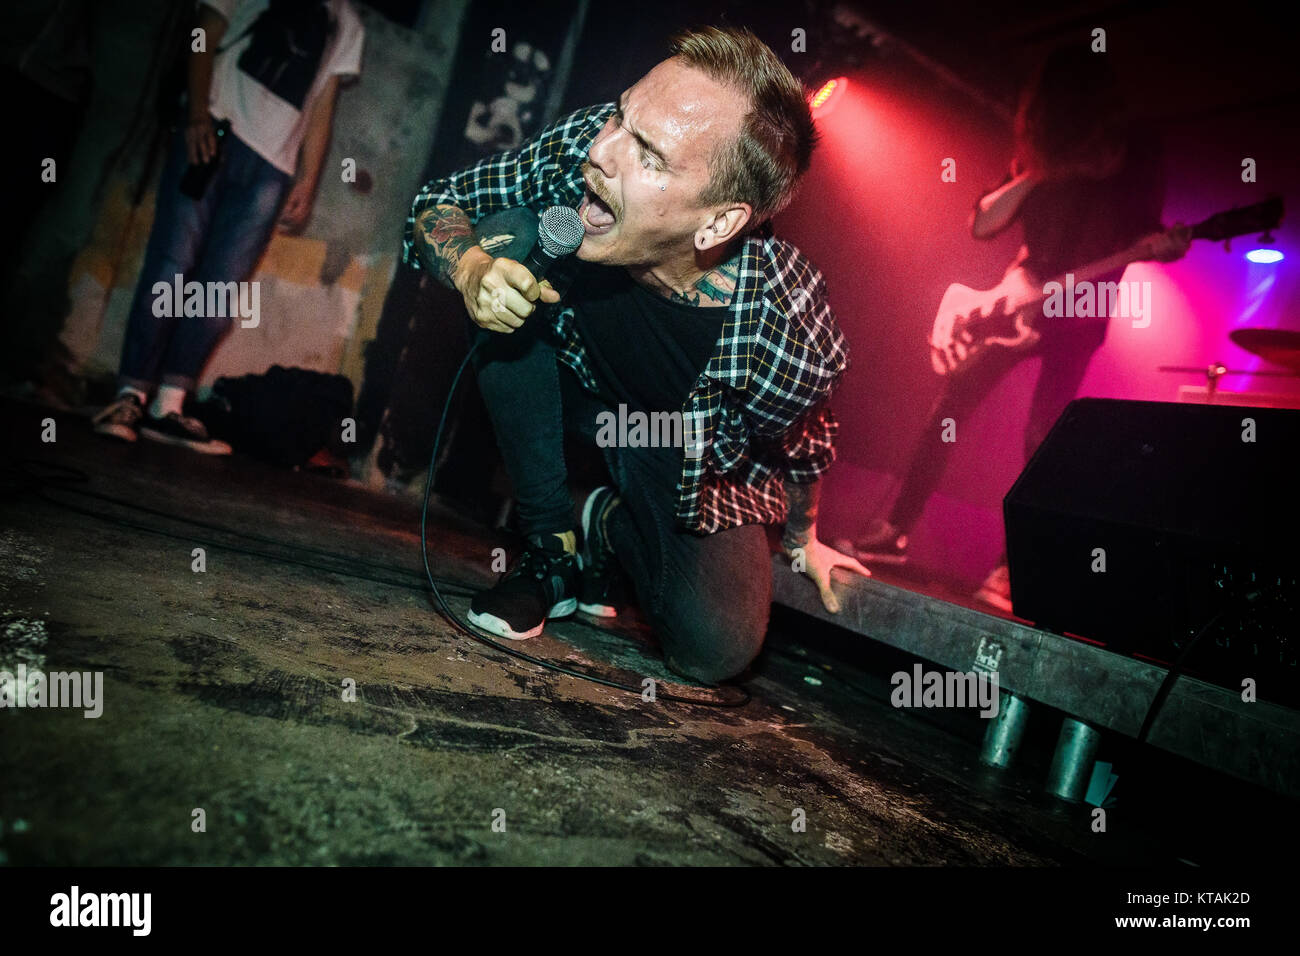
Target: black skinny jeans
<point>707,597</point>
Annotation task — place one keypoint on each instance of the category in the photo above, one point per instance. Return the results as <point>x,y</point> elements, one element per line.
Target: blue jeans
<point>218,238</point>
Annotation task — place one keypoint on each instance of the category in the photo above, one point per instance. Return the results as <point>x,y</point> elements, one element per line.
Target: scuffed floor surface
<point>224,691</point>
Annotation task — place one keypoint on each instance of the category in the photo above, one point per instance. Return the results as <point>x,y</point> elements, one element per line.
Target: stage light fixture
<point>1265,256</point>
<point>824,100</point>
<point>841,41</point>
<point>1264,253</point>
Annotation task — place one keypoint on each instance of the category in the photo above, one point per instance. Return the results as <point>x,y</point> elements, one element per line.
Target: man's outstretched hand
<point>816,560</point>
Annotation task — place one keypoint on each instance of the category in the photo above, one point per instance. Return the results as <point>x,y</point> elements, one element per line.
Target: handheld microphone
<point>559,234</point>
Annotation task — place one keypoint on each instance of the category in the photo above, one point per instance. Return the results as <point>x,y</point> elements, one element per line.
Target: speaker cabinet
<point>1136,524</point>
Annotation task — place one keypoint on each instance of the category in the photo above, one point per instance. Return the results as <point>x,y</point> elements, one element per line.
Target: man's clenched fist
<point>499,293</point>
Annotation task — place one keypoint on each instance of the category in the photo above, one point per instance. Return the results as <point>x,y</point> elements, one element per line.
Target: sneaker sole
<point>586,511</point>
<point>993,599</point>
<point>494,625</point>
<point>594,610</point>
<point>120,432</point>
<point>212,447</point>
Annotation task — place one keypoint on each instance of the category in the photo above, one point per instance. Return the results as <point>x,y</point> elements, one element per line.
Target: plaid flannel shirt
<point>760,407</point>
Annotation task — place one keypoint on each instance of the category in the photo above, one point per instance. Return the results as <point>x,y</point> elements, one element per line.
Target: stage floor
<point>224,691</point>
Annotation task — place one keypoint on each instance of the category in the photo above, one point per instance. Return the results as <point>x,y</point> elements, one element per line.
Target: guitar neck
<point>1259,217</point>
<point>1095,270</point>
<point>1089,272</point>
<point>968,310</point>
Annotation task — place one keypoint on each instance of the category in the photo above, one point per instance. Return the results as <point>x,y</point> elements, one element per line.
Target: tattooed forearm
<point>801,519</point>
<point>443,235</point>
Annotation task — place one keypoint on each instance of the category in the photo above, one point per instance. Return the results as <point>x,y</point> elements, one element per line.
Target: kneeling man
<point>682,307</point>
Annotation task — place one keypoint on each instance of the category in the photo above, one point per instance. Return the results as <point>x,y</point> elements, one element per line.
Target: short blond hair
<point>763,165</point>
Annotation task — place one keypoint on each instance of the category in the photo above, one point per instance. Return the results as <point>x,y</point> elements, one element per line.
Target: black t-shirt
<point>646,351</point>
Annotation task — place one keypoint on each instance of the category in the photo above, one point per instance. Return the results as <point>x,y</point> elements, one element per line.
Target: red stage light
<point>830,92</point>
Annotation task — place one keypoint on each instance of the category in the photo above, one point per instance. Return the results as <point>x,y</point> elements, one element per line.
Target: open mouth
<point>597,216</point>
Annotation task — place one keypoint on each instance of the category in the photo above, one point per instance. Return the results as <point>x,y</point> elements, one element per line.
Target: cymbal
<point>1276,345</point>
<point>1221,371</point>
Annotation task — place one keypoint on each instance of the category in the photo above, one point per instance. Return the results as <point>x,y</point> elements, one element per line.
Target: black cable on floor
<point>414,585</point>
<point>373,565</point>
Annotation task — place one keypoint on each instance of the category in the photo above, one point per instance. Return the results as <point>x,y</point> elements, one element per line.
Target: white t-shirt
<point>273,127</point>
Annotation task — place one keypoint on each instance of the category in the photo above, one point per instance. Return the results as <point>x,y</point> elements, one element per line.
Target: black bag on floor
<point>283,416</point>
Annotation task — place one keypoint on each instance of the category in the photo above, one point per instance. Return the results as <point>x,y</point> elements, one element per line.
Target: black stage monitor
<point>1136,524</point>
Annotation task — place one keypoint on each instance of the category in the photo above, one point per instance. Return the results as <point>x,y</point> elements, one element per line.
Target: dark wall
<point>622,42</point>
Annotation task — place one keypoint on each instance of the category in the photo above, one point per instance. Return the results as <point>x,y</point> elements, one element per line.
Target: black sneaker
<point>177,429</point>
<point>542,584</point>
<point>882,544</point>
<point>996,589</point>
<point>121,420</point>
<point>599,568</point>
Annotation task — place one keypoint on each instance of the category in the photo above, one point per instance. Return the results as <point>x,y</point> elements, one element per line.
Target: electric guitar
<point>969,321</point>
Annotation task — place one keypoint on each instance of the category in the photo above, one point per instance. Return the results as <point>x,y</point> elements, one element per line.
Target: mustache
<point>592,182</point>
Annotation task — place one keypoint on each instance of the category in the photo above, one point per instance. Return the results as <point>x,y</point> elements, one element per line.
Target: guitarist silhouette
<point>1084,184</point>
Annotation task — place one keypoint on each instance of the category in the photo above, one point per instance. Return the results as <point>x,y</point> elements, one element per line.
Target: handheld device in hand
<point>194,182</point>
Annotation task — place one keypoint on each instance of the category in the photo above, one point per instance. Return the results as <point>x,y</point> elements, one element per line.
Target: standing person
<point>1084,184</point>
<point>270,89</point>
<point>682,305</point>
